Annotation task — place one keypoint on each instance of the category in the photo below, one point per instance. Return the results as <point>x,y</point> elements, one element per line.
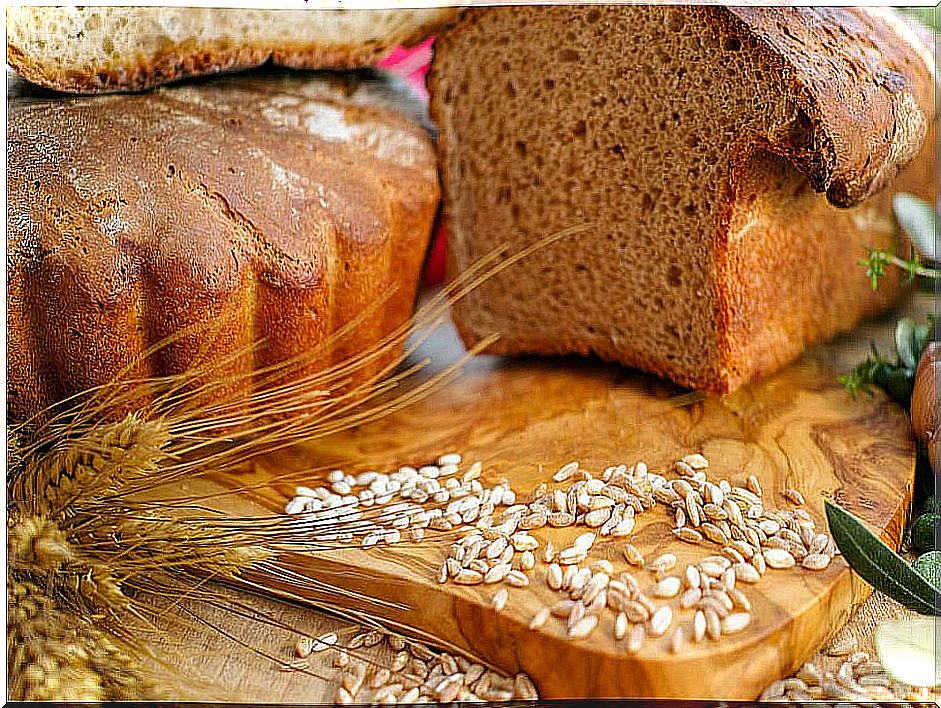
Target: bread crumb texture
<point>675,132</point>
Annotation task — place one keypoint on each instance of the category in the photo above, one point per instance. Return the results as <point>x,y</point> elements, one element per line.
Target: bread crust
<point>866,95</point>
<point>194,58</point>
<point>796,284</point>
<point>265,212</point>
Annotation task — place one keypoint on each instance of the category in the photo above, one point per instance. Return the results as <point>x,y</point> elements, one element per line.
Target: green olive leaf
<point>879,565</point>
<point>906,342</point>
<point>907,649</point>
<point>919,221</point>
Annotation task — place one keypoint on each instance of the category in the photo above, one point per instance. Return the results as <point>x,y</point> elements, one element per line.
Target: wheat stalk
<point>90,546</point>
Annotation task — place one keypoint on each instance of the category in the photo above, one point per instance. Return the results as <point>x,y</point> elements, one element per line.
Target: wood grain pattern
<point>525,418</point>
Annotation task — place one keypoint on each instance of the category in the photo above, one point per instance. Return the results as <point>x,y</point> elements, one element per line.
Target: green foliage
<point>928,566</point>
<point>895,377</point>
<point>923,532</point>
<point>882,567</point>
<point>919,220</point>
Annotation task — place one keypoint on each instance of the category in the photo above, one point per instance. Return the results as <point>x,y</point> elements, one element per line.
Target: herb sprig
<point>879,259</point>
<point>916,217</point>
<point>896,375</point>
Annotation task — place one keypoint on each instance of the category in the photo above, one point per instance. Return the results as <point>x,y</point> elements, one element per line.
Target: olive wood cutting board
<point>523,419</point>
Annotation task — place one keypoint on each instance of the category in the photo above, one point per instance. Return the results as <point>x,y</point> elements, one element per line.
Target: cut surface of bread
<point>698,143</point>
<point>238,223</point>
<point>105,49</point>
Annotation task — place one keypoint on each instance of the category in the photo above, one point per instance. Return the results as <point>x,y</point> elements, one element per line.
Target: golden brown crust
<point>162,69</point>
<point>774,286</point>
<point>202,58</point>
<point>271,209</point>
<point>866,95</point>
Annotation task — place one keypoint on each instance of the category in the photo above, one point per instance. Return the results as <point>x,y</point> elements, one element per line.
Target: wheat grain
<point>778,558</point>
<point>688,535</point>
<point>584,541</point>
<point>668,587</point>
<point>721,597</point>
<point>523,542</point>
<point>620,626</point>
<point>751,483</point>
<point>585,626</point>
<point>635,611</point>
<point>540,618</point>
<point>577,583</point>
<point>714,533</point>
<point>571,556</point>
<point>711,569</point>
<point>468,577</point>
<point>517,579</point>
<point>565,472</point>
<point>739,599</point>
<point>554,577</point>
<point>632,555</point>
<point>699,626</point>
<point>497,573</point>
<point>678,640</point>
<point>635,638</point>
<point>758,561</point>
<point>815,561</point>
<point>576,613</point>
<point>570,572</point>
<point>713,624</point>
<point>690,598</point>
<point>660,621</point>
<point>746,573</point>
<point>663,563</point>
<point>499,599</point>
<point>735,622</point>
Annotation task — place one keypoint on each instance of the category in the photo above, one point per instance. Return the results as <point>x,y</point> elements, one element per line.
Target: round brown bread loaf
<point>271,209</point>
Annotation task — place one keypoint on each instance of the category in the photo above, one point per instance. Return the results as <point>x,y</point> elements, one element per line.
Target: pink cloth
<point>411,64</point>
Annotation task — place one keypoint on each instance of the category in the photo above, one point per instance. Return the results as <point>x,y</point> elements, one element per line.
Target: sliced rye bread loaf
<point>107,49</point>
<point>697,141</point>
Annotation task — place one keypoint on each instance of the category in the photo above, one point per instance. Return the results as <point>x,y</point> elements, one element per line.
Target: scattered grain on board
<point>500,536</point>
